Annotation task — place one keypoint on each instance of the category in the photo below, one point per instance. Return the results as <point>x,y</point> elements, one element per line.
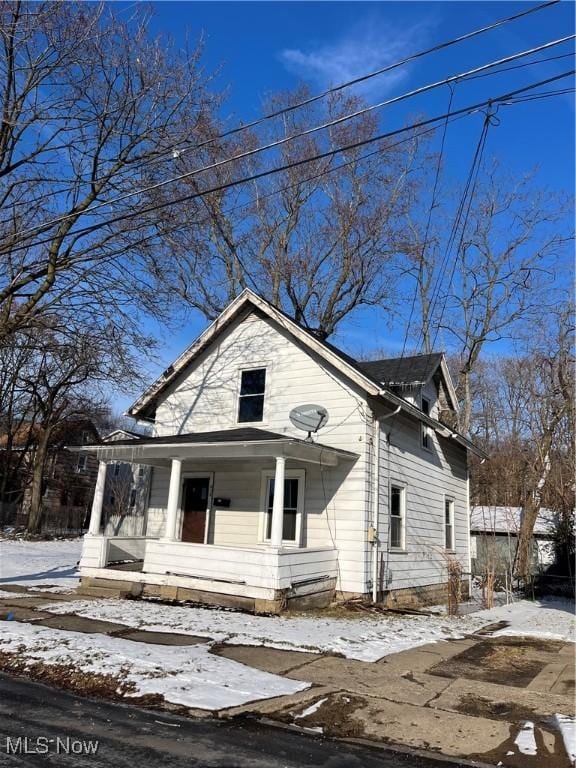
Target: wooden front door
<point>194,507</point>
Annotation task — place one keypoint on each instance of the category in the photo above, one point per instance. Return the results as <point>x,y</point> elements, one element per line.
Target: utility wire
<point>307,132</point>
<point>296,163</point>
<point>427,230</point>
<point>362,78</point>
<point>473,181</point>
<point>465,200</point>
<point>70,183</point>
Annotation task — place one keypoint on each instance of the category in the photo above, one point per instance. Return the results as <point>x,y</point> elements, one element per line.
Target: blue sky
<point>262,47</point>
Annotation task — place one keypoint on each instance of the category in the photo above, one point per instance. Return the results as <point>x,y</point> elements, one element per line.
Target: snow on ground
<point>567,727</point>
<point>40,563</point>
<point>550,618</point>
<point>525,740</point>
<point>364,639</point>
<point>187,675</point>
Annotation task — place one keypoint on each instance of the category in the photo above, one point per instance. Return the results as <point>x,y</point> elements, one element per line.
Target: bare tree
<point>317,239</point>
<point>92,107</point>
<point>503,275</point>
<point>550,412</point>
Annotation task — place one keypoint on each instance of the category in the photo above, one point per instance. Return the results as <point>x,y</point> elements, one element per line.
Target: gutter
<point>437,426</point>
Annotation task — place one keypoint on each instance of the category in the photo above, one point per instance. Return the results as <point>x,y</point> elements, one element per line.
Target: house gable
<point>205,396</point>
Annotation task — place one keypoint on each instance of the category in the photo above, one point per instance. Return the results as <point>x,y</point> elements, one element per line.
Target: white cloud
<point>369,45</point>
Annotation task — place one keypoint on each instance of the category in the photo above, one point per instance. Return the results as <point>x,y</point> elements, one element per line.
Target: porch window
<point>293,503</point>
<point>397,516</point>
<point>449,524</point>
<point>251,398</point>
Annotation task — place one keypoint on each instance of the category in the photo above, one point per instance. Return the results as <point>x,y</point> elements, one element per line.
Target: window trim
<point>449,500</point>
<point>289,474</point>
<point>256,367</point>
<point>403,488</point>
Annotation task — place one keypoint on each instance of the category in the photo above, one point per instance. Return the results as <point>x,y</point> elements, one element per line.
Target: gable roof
<point>508,520</point>
<point>145,406</point>
<point>412,369</point>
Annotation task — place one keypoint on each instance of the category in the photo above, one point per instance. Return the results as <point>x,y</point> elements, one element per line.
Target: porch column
<point>278,504</point>
<point>98,501</point>
<point>173,496</point>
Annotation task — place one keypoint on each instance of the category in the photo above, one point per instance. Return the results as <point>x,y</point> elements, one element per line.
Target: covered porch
<point>233,517</point>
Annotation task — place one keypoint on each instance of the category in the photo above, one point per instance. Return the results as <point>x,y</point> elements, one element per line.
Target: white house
<point>244,509</point>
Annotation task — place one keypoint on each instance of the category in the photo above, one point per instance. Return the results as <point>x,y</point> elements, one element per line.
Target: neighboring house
<point>494,538</point>
<point>69,476</point>
<point>125,493</point>
<point>245,510</point>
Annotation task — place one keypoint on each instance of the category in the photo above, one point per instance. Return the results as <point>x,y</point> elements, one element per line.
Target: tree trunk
<point>35,512</point>
<point>530,512</point>
<point>465,415</point>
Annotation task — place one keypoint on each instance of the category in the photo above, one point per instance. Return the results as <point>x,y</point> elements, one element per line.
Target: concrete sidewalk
<point>462,698</point>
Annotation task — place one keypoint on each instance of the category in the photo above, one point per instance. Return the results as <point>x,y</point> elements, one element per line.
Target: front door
<point>194,507</point>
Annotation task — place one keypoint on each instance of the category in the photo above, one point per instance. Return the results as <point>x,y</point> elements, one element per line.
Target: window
<point>449,524</point>
<point>112,500</point>
<point>425,403</point>
<point>397,516</point>
<point>293,503</point>
<point>116,469</point>
<point>132,498</point>
<point>140,471</point>
<point>251,399</point>
<point>82,464</point>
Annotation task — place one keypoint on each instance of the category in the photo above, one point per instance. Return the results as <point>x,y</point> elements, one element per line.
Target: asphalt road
<point>43,726</point>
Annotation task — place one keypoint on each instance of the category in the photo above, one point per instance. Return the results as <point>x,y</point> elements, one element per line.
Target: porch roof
<point>243,442</point>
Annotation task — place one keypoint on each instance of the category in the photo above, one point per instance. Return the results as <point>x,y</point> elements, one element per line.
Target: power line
<point>427,229</point>
<point>296,163</point>
<point>364,78</point>
<point>473,181</point>
<point>466,198</point>
<point>307,132</point>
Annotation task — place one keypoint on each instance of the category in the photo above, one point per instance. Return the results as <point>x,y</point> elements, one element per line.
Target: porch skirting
<point>260,579</point>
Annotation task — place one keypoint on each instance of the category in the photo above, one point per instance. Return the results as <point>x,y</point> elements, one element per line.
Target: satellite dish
<point>309,418</point>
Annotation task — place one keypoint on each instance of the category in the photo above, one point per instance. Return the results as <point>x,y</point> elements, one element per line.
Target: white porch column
<point>98,501</point>
<point>278,504</point>
<point>173,497</point>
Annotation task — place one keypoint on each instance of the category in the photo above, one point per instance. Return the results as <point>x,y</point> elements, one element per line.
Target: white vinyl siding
<point>205,399</point>
<point>429,478</point>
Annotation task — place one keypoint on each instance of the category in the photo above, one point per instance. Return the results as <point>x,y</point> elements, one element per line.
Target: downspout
<point>468,525</point>
<point>376,501</point>
<point>375,504</point>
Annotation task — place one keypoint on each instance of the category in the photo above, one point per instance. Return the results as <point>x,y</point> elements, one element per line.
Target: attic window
<point>425,404</point>
<point>251,397</point>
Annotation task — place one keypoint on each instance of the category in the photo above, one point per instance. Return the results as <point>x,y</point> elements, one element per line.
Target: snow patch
<point>364,639</point>
<point>38,563</point>
<point>567,727</point>
<point>311,709</point>
<point>525,740</point>
<point>186,675</point>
